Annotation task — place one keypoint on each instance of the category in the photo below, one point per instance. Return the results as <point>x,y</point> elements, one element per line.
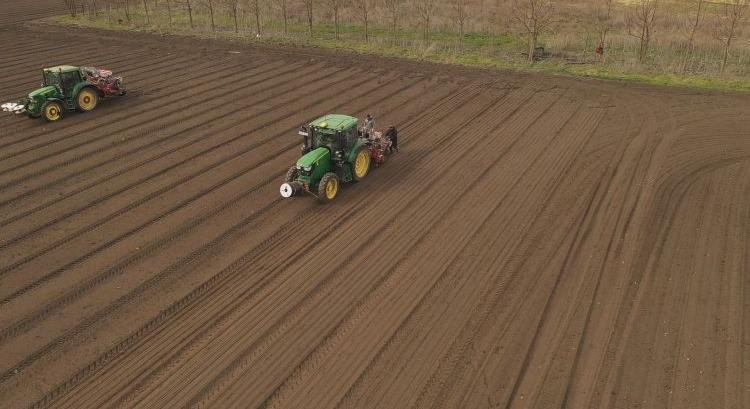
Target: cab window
<point>51,78</point>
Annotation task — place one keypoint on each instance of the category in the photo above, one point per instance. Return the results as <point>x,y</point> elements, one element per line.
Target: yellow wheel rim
<point>332,186</point>
<point>361,164</point>
<point>52,112</point>
<point>87,100</point>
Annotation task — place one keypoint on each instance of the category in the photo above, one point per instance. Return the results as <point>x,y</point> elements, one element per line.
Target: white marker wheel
<point>286,190</point>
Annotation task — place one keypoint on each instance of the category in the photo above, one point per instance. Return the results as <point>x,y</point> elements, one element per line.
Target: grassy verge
<point>478,50</point>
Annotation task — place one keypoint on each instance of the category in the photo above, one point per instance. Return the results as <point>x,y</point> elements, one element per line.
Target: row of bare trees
<point>531,18</point>
<point>726,21</point>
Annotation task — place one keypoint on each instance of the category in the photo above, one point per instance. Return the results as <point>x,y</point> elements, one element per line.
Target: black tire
<point>291,174</point>
<point>324,194</point>
<point>52,111</point>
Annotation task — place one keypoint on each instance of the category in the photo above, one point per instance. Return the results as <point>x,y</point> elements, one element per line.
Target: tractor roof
<point>335,121</point>
<point>63,68</point>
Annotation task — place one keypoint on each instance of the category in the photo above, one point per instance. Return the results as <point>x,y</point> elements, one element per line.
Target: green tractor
<point>334,151</point>
<point>67,88</point>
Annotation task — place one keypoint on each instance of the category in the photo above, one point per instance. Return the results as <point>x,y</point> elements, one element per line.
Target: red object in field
<point>378,146</point>
<point>377,155</point>
<point>103,80</point>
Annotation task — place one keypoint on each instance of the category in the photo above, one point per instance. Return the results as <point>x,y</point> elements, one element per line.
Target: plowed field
<point>538,242</point>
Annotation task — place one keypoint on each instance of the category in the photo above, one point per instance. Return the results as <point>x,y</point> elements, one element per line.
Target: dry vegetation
<point>687,38</point>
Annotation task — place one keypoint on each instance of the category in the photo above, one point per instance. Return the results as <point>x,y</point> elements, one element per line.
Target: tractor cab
<point>334,132</point>
<point>66,78</point>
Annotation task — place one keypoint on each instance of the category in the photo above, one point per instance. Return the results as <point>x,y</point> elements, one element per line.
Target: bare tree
<point>72,7</point>
<point>460,16</point>
<point>284,15</point>
<point>309,9</point>
<point>233,8</point>
<point>603,24</point>
<point>640,22</point>
<point>210,4</point>
<point>695,17</point>
<point>335,7</point>
<point>127,11</point>
<point>393,7</point>
<point>169,12</point>
<point>534,17</point>
<point>363,9</point>
<point>190,13</point>
<point>145,8</point>
<point>426,11</point>
<point>257,15</point>
<point>727,25</point>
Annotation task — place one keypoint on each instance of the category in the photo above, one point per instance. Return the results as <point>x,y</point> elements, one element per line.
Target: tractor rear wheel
<point>52,111</point>
<point>361,165</point>
<point>87,100</point>
<point>328,187</point>
<point>291,174</point>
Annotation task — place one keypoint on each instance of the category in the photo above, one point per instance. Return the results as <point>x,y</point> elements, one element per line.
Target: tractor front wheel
<point>87,100</point>
<point>328,187</point>
<point>361,165</point>
<point>52,111</point>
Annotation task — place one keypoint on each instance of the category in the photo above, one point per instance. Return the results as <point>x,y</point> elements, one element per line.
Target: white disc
<point>286,190</point>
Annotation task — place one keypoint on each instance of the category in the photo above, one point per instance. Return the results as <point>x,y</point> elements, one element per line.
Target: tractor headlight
<point>307,168</point>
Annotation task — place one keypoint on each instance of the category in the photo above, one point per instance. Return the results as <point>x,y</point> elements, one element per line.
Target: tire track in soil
<point>323,287</point>
<point>56,182</point>
<point>229,273</point>
<point>227,204</point>
<point>354,317</point>
<point>155,81</point>
<point>21,87</point>
<point>33,231</point>
<point>14,329</point>
<point>464,263</point>
<point>155,77</point>
<point>203,95</point>
<point>532,337</point>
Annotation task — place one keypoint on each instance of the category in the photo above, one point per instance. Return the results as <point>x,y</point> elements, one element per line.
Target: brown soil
<point>537,243</point>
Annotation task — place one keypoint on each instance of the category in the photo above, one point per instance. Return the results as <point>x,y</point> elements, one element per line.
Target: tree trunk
<point>365,18</point>
<point>145,7</point>
<point>309,5</point>
<point>190,14</point>
<point>127,11</point>
<point>234,14</point>
<point>394,27</point>
<point>532,47</point>
<point>283,12</point>
<point>211,13</point>
<point>257,16</point>
<point>169,13</point>
<point>727,45</point>
<point>336,22</point>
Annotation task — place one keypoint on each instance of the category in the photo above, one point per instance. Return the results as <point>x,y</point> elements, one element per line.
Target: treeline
<point>687,32</point>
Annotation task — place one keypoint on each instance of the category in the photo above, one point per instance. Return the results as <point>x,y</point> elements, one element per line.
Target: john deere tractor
<point>67,88</point>
<point>333,152</point>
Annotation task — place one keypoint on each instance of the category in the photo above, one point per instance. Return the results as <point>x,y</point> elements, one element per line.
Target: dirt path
<point>538,242</point>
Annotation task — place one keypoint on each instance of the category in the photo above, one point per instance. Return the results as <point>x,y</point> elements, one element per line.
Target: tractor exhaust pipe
<point>290,189</point>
